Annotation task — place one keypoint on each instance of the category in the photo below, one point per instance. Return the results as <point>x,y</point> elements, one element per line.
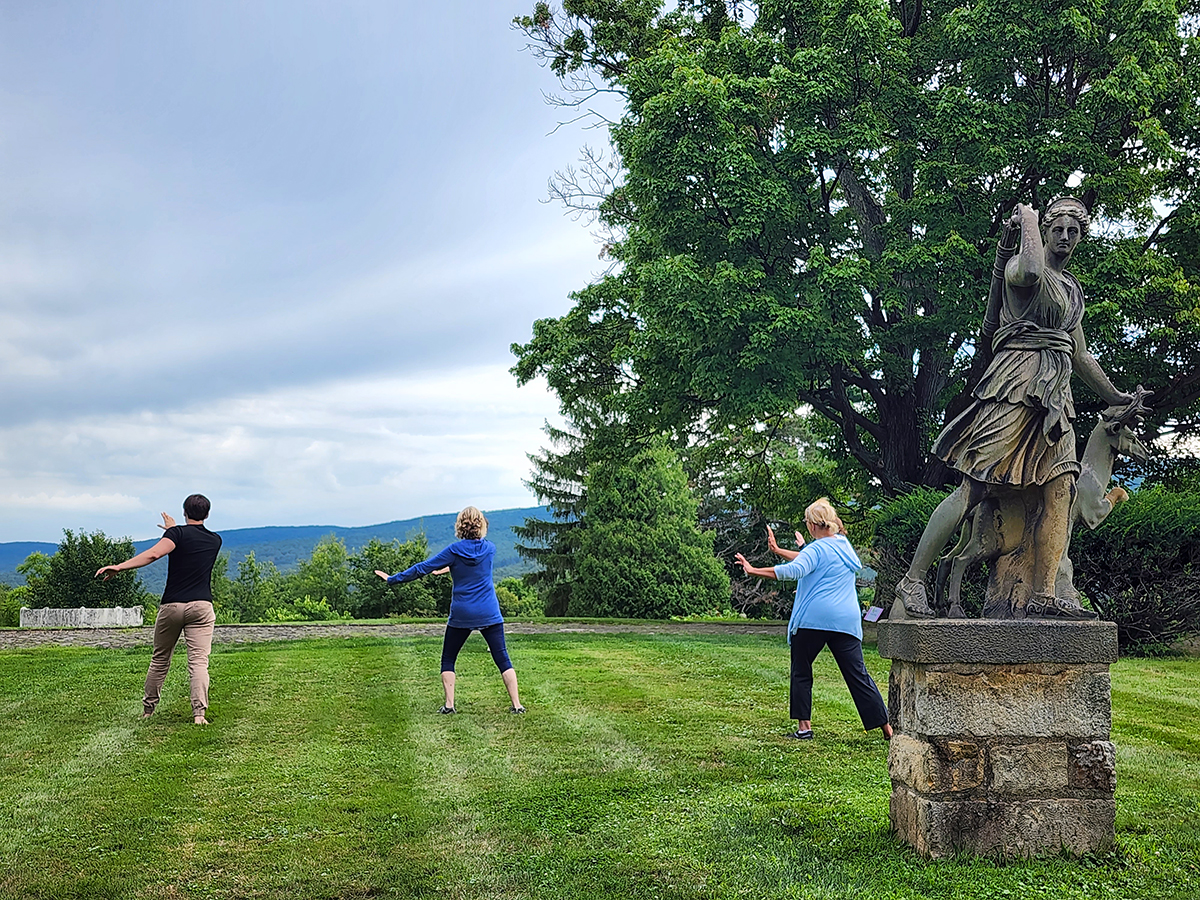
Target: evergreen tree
<point>553,543</point>
<point>642,554</point>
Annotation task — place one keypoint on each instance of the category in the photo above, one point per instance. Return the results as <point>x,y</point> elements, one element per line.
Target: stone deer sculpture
<point>994,527</point>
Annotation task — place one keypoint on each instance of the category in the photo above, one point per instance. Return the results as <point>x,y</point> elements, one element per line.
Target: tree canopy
<point>802,201</point>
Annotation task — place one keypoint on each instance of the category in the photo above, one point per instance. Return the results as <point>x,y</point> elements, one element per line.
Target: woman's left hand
<point>384,575</point>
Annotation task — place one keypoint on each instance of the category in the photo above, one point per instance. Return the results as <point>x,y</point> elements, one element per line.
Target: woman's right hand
<point>743,562</point>
<point>383,575</point>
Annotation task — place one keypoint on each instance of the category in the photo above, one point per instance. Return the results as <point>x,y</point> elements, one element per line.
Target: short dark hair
<point>196,507</point>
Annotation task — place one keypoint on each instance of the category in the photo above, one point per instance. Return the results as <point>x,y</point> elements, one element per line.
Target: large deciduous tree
<point>803,198</point>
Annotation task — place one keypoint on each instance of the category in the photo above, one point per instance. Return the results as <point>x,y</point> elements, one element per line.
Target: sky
<point>273,252</point>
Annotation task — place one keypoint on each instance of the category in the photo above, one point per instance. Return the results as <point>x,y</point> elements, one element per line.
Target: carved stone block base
<point>1001,744</point>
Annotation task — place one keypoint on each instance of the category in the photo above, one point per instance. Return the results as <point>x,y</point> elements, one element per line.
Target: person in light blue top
<point>825,613</point>
<point>473,603</point>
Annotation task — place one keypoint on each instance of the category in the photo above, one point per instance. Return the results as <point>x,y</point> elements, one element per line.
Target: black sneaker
<point>447,711</point>
<point>516,710</point>
<point>801,735</point>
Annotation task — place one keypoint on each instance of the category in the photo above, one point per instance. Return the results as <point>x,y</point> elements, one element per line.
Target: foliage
<point>11,601</point>
<point>67,579</point>
<point>257,588</point>
<point>305,609</point>
<point>371,597</point>
<point>898,526</point>
<point>553,543</point>
<point>749,478</point>
<point>802,206</point>
<point>519,599</point>
<point>641,554</point>
<point>649,767</point>
<point>1141,567</point>
<point>324,575</point>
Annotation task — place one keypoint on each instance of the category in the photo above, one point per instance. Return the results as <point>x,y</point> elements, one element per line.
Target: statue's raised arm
<point>1015,444</point>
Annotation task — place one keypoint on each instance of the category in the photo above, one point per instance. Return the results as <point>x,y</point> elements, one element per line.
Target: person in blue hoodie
<point>473,603</point>
<point>825,614</point>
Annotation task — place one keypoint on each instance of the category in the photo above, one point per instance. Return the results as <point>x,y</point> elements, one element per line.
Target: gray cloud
<point>225,224</point>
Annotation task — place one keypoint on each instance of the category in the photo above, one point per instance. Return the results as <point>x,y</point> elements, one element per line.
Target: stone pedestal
<point>1002,735</point>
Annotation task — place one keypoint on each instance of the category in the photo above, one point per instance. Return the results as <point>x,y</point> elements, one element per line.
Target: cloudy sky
<point>274,252</point>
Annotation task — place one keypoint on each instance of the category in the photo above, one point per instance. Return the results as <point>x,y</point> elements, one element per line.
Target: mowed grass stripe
<point>648,766</point>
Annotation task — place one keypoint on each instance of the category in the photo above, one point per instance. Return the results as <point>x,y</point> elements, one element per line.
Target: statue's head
<point>1064,224</point>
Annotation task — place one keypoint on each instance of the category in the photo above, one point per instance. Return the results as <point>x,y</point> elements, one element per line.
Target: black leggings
<point>847,650</point>
<point>456,637</point>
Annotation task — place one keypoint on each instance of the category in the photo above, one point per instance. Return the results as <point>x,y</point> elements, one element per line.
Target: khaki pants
<point>195,620</point>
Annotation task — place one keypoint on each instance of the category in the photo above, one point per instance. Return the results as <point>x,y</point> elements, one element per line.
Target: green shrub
<point>11,601</point>
<point>305,609</point>
<point>519,600</point>
<point>68,578</point>
<point>1141,567</point>
<point>898,525</point>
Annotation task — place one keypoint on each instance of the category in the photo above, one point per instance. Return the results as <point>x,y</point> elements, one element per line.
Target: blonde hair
<point>470,524</point>
<point>822,514</point>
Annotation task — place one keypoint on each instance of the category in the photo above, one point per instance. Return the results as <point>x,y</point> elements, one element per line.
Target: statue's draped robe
<point>1017,430</point>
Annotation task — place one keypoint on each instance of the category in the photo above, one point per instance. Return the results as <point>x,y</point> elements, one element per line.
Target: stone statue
<point>1015,444</point>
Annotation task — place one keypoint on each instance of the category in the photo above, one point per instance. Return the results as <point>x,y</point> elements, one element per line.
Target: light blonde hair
<point>470,524</point>
<point>822,514</point>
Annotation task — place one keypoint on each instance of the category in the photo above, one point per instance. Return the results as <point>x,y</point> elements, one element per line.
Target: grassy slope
<point>647,767</point>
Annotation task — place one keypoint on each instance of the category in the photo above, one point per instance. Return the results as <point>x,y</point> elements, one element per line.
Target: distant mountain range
<point>285,545</point>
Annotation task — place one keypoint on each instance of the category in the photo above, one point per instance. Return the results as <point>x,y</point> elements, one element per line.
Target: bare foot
<point>199,720</point>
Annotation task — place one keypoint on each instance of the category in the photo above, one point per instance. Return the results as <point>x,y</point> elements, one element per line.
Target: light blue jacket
<point>826,596</point>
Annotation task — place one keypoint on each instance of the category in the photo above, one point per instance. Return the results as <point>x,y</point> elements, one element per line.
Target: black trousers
<point>847,650</point>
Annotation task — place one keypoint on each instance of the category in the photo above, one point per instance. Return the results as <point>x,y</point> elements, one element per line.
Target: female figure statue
<point>1017,435</point>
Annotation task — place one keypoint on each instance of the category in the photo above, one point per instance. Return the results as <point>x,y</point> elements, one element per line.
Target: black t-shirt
<point>190,564</point>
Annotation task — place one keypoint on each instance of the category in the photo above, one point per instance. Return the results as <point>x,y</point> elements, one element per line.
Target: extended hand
<point>168,522</point>
<point>383,575</point>
<point>799,539</point>
<point>772,545</point>
<point>743,562</point>
<point>106,572</point>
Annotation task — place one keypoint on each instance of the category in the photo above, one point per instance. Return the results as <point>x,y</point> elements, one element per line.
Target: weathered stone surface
<point>83,617</point>
<point>935,768</point>
<point>940,827</point>
<point>997,641</point>
<point>1029,769</point>
<point>1020,701</point>
<point>1093,767</point>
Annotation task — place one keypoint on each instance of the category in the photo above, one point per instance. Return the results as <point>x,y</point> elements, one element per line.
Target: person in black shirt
<point>187,607</point>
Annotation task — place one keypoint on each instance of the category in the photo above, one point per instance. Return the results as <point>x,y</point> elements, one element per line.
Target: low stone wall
<point>1001,743</point>
<point>82,617</point>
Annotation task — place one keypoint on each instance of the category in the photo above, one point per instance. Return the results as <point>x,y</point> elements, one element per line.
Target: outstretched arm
<point>158,551</point>
<point>1087,368</point>
<point>412,573</point>
<point>768,572</point>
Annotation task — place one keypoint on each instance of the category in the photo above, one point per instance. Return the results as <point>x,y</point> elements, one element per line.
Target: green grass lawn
<point>647,767</point>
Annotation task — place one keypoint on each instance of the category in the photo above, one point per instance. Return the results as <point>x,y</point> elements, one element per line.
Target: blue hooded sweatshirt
<point>474,603</point>
<point>826,595</point>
